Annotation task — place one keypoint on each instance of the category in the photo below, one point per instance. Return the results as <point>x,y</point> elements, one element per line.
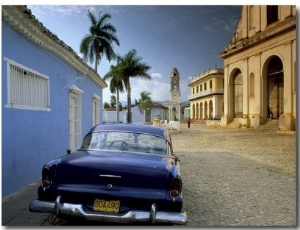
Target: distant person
<point>270,113</point>
<point>189,121</point>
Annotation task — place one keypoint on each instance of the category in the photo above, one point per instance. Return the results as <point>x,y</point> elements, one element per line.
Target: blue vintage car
<point>122,173</point>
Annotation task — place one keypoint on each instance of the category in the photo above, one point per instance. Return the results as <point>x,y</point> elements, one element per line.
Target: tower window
<point>272,14</point>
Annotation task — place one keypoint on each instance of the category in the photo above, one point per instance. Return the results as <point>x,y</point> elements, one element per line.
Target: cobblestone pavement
<point>230,178</point>
<point>237,177</point>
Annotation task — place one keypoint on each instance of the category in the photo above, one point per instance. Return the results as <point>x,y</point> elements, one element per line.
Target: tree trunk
<point>118,107</point>
<point>97,60</point>
<point>96,66</point>
<point>129,117</point>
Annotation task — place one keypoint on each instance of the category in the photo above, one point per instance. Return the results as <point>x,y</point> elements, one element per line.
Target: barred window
<point>26,88</point>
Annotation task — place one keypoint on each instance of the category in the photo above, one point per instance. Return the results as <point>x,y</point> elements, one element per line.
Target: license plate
<point>106,205</point>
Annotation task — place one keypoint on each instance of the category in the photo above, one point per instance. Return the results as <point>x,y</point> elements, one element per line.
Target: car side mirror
<point>68,151</point>
<point>176,158</point>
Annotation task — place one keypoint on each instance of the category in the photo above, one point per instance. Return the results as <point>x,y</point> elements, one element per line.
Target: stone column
<point>286,120</point>
<point>225,117</point>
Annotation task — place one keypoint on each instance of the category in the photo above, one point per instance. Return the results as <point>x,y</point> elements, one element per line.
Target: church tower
<point>174,103</point>
<point>174,86</point>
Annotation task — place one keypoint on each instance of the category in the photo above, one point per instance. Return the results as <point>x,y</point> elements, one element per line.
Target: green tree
<point>131,66</point>
<point>116,86</point>
<point>99,40</point>
<point>145,101</point>
<point>106,105</point>
<point>113,101</point>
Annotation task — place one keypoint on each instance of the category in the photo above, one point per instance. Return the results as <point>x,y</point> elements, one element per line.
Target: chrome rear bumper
<point>79,211</point>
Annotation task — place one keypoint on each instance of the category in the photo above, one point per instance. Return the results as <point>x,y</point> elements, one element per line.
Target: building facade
<point>174,104</point>
<point>206,98</point>
<point>138,116</point>
<point>50,98</point>
<point>260,68</point>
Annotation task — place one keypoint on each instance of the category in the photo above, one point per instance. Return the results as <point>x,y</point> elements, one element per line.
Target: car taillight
<point>46,177</point>
<point>175,187</point>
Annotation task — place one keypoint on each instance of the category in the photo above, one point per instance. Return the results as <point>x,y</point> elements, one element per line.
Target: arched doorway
<point>201,110</point>
<point>193,111</point>
<point>275,88</point>
<point>238,94</point>
<point>210,109</point>
<point>205,110</point>
<point>197,111</point>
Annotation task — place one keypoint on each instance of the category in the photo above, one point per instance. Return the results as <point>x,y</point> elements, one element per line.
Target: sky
<point>186,37</point>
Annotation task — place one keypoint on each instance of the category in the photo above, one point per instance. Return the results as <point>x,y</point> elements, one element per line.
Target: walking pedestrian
<point>189,121</point>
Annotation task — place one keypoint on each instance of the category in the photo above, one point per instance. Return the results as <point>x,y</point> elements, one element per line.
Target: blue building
<point>50,98</point>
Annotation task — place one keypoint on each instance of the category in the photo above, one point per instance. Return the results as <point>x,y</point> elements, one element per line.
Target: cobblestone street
<point>237,177</point>
<point>230,178</point>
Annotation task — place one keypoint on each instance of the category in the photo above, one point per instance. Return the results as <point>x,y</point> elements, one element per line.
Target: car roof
<point>139,128</point>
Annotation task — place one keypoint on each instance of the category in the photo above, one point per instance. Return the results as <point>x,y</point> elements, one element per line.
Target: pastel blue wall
<point>31,138</point>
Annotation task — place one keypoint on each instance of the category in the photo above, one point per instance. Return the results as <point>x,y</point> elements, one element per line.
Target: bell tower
<point>174,103</point>
<point>174,86</point>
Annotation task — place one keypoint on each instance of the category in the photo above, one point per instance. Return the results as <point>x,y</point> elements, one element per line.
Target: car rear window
<point>125,141</point>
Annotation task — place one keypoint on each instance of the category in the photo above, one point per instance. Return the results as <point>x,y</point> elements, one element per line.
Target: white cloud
<point>159,90</point>
<point>67,10</point>
<point>156,75</point>
<point>59,10</point>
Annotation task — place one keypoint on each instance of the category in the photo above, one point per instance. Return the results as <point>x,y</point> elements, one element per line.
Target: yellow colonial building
<point>206,98</point>
<point>260,69</point>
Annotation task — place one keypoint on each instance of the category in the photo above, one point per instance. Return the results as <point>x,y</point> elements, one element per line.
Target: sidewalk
<point>15,210</point>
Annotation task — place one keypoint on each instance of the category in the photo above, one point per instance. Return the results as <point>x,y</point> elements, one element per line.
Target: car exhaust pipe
<point>41,206</point>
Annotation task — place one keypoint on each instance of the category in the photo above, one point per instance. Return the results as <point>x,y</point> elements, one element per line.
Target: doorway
<point>238,94</point>
<point>275,88</point>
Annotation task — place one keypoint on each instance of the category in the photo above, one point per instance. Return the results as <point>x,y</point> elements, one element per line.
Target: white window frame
<point>95,110</point>
<point>26,88</point>
<point>75,117</point>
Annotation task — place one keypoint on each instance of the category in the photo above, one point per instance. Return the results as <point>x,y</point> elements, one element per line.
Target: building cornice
<point>209,74</point>
<point>23,21</point>
<point>273,30</point>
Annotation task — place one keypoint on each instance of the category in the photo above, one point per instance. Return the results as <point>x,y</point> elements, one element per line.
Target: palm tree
<point>145,101</point>
<point>130,66</point>
<point>99,41</point>
<point>116,86</point>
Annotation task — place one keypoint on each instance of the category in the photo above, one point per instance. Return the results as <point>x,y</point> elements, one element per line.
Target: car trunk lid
<point>114,170</point>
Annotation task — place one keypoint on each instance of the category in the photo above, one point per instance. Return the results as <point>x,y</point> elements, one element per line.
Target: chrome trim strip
<point>110,176</point>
